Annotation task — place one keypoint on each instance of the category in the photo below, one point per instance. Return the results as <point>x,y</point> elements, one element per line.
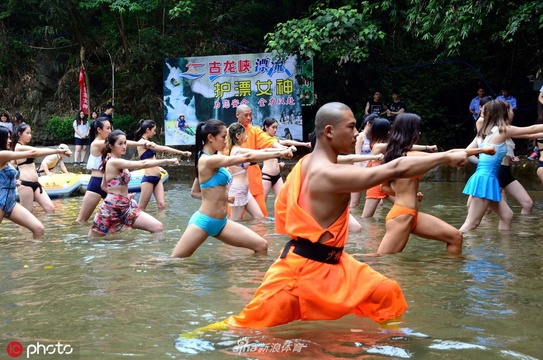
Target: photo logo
<point>16,349</point>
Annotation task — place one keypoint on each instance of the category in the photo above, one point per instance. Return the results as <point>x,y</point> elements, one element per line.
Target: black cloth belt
<point>313,251</point>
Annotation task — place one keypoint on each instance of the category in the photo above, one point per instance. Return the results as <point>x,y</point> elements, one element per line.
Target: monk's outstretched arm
<point>341,179</point>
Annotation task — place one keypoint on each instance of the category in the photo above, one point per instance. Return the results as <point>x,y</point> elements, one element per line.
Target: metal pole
<point>112,79</point>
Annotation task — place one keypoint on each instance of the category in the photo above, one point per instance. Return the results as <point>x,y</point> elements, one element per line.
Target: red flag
<point>83,96</point>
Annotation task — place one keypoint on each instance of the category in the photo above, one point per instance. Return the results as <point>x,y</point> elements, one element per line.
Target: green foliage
<point>182,7</point>
<point>343,34</point>
<point>125,123</point>
<point>60,129</point>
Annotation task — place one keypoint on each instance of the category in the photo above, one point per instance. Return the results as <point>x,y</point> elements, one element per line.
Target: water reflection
<point>122,296</point>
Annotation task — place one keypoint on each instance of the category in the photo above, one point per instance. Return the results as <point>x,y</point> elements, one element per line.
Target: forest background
<point>436,52</point>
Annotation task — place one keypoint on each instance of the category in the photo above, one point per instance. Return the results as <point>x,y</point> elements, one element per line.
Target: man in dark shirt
<point>396,106</point>
<point>108,112</point>
<point>375,105</point>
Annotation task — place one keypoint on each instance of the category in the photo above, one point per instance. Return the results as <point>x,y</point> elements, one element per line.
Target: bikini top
<point>221,178</point>
<point>148,154</point>
<point>122,178</point>
<point>94,162</point>
<point>27,161</point>
<point>243,166</point>
<point>366,148</point>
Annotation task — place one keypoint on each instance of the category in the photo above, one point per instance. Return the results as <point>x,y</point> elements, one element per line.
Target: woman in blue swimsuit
<point>211,185</point>
<point>9,208</point>
<point>151,183</point>
<point>483,185</point>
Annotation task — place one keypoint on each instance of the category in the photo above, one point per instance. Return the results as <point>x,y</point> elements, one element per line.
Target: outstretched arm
<point>140,164</point>
<point>430,148</point>
<point>354,158</point>
<point>295,143</point>
<point>247,155</point>
<point>25,151</point>
<point>170,150</point>
<point>343,179</point>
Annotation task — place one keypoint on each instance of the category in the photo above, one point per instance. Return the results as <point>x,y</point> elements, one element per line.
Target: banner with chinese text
<point>200,88</point>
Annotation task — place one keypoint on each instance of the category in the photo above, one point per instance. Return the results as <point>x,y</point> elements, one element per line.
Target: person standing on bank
<point>9,208</point>
<point>151,183</point>
<point>108,113</point>
<point>474,107</point>
<point>6,122</point>
<point>256,139</point>
<point>81,137</point>
<point>30,189</point>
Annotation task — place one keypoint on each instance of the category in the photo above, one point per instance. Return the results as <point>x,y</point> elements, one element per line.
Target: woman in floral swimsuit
<point>119,209</point>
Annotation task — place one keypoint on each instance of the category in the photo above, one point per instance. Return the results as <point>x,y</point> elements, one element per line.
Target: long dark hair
<point>110,141</point>
<point>211,126</point>
<point>98,123</point>
<point>143,125</point>
<point>368,120</point>
<point>81,121</point>
<point>404,133</point>
<point>269,121</point>
<point>379,131</point>
<point>16,134</point>
<point>5,134</point>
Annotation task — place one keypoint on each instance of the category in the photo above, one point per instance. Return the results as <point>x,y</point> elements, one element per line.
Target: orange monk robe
<point>297,288</point>
<point>257,139</point>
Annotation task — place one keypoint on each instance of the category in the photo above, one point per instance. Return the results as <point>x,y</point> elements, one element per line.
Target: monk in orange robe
<point>313,278</point>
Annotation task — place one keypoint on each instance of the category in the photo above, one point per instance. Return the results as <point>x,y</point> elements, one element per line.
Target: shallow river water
<point>121,297</point>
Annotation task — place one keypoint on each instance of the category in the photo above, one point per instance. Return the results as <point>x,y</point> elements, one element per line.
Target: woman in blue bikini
<point>211,185</point>
<point>151,183</point>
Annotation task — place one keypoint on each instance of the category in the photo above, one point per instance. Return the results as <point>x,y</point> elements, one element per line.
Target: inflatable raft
<point>60,185</point>
<point>133,186</point>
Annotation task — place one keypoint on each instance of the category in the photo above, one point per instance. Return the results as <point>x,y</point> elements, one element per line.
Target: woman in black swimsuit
<point>30,189</point>
<point>271,170</point>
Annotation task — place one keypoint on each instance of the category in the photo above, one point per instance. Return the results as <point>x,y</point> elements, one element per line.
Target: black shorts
<point>79,141</point>
<point>504,176</point>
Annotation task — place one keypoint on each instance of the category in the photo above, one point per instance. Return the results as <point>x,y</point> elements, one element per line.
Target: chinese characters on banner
<point>200,88</point>
<point>83,95</point>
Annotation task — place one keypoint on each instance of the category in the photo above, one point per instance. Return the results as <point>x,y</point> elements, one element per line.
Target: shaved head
<point>329,114</point>
<point>241,108</point>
